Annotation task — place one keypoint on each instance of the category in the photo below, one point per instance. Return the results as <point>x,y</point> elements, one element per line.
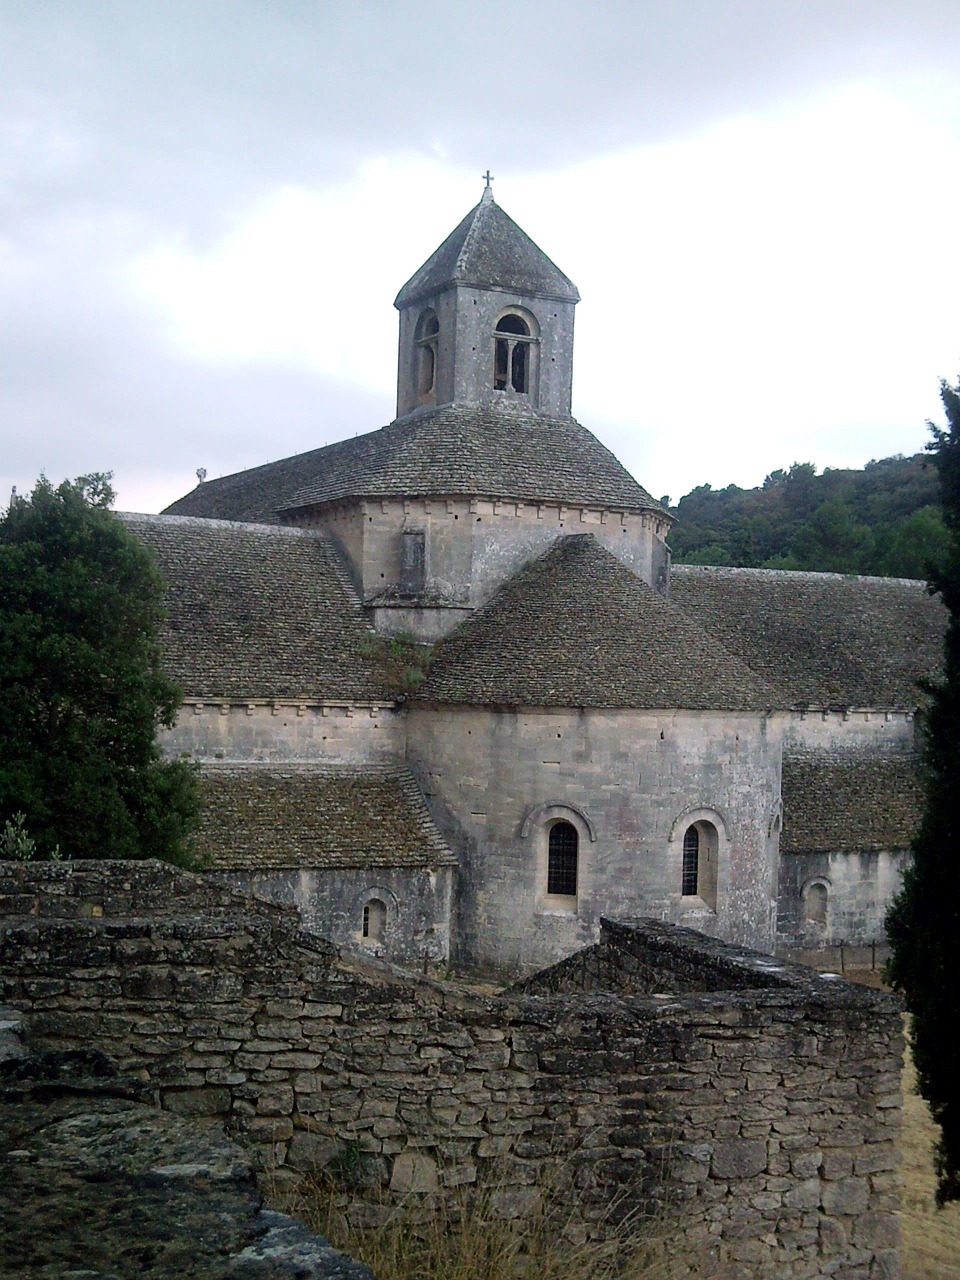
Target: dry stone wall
<point>758,1102</point>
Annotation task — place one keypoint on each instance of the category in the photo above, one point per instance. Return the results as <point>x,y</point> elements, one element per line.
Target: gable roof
<point>822,639</point>
<point>576,628</point>
<point>257,611</point>
<point>854,802</point>
<point>488,249</point>
<point>490,452</point>
<point>271,816</point>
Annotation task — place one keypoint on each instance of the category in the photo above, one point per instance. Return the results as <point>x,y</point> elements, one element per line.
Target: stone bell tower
<point>487,320</point>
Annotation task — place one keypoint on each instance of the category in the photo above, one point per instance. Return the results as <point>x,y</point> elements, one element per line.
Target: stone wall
<point>97,1182</point>
<point>861,887</point>
<point>471,547</point>
<point>280,731</point>
<point>757,1101</point>
<point>631,782</point>
<point>418,903</point>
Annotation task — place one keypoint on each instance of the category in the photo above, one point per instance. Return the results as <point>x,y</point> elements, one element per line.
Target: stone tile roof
<point>488,248</point>
<point>822,639</point>
<point>577,628</point>
<point>494,452</point>
<point>259,612</point>
<point>260,817</point>
<point>850,802</point>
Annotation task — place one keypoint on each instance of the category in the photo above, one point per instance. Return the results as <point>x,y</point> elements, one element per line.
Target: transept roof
<point>821,639</point>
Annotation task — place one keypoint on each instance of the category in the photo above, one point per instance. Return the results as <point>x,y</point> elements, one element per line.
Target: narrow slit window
<point>691,862</point>
<point>562,858</point>
<point>426,339</point>
<point>374,920</point>
<point>413,565</point>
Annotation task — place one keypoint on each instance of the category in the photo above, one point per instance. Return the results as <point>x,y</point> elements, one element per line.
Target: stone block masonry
<point>758,1102</point>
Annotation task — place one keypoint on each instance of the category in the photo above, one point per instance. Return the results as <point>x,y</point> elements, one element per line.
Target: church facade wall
<point>631,784</point>
<point>829,899</point>
<point>314,732</point>
<point>841,897</point>
<point>417,904</point>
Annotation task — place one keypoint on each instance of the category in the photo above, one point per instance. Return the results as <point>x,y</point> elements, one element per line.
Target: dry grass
<point>468,1238</point>
<point>931,1236</point>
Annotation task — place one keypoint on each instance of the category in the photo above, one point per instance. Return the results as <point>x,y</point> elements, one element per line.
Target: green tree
<point>81,690</point>
<point>917,547</point>
<point>923,924</point>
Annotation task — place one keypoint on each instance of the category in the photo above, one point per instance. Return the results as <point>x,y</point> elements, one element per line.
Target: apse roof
<point>576,628</point>
<point>488,250</point>
<point>494,452</point>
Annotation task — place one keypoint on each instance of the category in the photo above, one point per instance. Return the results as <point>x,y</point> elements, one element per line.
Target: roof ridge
<point>211,522</point>
<point>476,216</point>
<point>793,574</point>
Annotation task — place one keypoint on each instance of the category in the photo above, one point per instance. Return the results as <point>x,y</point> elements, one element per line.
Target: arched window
<point>426,340</point>
<point>700,858</point>
<point>562,857</point>
<point>815,903</point>
<point>691,861</point>
<point>374,920</point>
<point>512,354</point>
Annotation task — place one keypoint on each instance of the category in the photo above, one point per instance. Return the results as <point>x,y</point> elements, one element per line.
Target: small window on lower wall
<point>815,903</point>
<point>700,856</point>
<point>374,920</point>
<point>562,858</point>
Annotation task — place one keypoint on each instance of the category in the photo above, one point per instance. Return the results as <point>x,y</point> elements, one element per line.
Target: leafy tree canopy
<point>883,520</point>
<point>924,921</point>
<point>81,690</point>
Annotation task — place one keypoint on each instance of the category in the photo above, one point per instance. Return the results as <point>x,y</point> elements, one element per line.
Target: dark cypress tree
<point>82,693</point>
<point>923,925</point>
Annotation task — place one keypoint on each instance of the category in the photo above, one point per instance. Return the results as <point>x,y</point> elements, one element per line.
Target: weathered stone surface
<point>656,1068</point>
<point>107,1188</point>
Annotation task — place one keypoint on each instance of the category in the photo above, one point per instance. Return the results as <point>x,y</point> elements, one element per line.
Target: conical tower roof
<point>488,250</point>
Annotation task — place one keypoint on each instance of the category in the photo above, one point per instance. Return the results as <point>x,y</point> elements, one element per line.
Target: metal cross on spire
<point>488,176</point>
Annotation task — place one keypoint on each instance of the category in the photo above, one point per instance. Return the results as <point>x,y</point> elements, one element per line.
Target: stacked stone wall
<point>760,1104</point>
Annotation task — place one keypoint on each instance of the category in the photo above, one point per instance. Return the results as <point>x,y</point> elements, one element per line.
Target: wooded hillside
<point>882,520</point>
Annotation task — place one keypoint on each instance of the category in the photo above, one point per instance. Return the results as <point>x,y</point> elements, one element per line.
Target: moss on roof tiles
<point>259,612</point>
<point>488,249</point>
<point>259,817</point>
<point>577,628</point>
<point>456,450</point>
<point>850,802</point>
<point>822,639</point>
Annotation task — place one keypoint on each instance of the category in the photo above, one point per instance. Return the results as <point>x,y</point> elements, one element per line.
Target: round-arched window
<point>374,920</point>
<point>426,341</point>
<point>512,354</point>
<point>700,858</point>
<point>562,858</point>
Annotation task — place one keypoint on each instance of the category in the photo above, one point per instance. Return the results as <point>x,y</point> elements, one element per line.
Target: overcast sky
<point>207,208</point>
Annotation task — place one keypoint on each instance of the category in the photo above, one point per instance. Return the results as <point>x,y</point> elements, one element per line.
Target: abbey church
<point>449,697</point>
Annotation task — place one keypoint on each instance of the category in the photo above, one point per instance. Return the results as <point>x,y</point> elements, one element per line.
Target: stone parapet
<point>660,1069</point>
